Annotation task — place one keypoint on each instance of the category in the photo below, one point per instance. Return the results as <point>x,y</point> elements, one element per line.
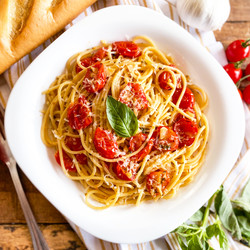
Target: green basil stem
<point>241,79</point>
<point>206,213</point>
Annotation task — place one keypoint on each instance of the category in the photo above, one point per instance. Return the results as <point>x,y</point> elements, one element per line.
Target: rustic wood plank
<point>233,31</point>
<point>240,10</point>
<point>57,236</point>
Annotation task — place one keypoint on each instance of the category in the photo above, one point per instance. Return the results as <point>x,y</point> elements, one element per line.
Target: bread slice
<point>25,24</point>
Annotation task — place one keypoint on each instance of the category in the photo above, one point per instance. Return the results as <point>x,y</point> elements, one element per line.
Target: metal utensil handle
<point>38,240</point>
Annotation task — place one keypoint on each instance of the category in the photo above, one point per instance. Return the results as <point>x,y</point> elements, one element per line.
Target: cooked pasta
<point>163,153</point>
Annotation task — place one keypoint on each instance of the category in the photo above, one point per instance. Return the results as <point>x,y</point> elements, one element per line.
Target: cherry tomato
<point>186,131</point>
<point>135,142</point>
<point>187,102</point>
<point>247,72</point>
<point>238,50</point>
<point>88,61</point>
<point>68,162</point>
<point>165,139</point>
<point>75,144</point>
<point>95,78</point>
<point>234,72</point>
<point>165,78</point>
<point>79,114</point>
<point>240,93</point>
<point>133,96</point>
<point>157,182</point>
<point>126,48</point>
<point>105,143</point>
<point>125,170</point>
<point>246,94</point>
<point>85,62</point>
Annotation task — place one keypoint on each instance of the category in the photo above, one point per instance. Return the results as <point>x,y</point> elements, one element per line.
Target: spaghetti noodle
<point>165,152</point>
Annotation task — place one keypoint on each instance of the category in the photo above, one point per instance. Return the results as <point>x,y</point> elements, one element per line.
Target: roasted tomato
<point>125,170</point>
<point>68,162</point>
<point>187,102</point>
<point>135,142</point>
<point>186,131</point>
<point>164,79</point>
<point>126,48</point>
<point>157,182</point>
<point>95,78</point>
<point>79,114</point>
<point>105,143</point>
<point>165,139</point>
<point>88,61</point>
<point>133,96</point>
<point>74,144</point>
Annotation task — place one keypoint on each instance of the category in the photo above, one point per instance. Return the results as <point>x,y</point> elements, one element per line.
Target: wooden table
<point>14,233</point>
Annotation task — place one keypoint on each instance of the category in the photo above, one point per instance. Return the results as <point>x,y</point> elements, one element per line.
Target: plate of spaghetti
<point>125,133</point>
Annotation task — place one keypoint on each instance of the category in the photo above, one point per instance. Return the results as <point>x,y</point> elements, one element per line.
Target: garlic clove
<point>205,15</point>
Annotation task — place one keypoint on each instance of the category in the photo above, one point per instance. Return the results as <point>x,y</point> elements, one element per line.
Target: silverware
<point>6,158</point>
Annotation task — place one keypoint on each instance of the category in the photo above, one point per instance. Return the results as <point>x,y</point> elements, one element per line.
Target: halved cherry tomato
<point>233,71</point>
<point>187,102</point>
<point>74,144</point>
<point>165,139</point>
<point>238,50</point>
<point>79,114</point>
<point>95,78</point>
<point>68,162</point>
<point>125,170</point>
<point>165,78</point>
<point>135,142</point>
<point>133,96</point>
<point>105,143</point>
<point>126,48</point>
<point>186,131</point>
<point>88,61</point>
<point>246,94</point>
<point>157,182</point>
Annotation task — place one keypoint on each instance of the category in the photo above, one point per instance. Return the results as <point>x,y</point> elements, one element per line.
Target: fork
<point>7,159</point>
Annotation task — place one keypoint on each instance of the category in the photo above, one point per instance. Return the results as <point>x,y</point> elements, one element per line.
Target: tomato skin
<point>169,140</point>
<point>187,102</point>
<point>105,143</point>
<point>164,78</point>
<point>125,170</point>
<point>157,180</point>
<point>95,78</point>
<point>136,141</point>
<point>246,94</point>
<point>126,48</point>
<point>247,71</point>
<point>133,96</point>
<point>233,72</point>
<point>88,61</point>
<point>186,131</point>
<point>74,144</point>
<point>79,114</point>
<point>237,50</point>
<point>68,162</point>
<point>240,93</point>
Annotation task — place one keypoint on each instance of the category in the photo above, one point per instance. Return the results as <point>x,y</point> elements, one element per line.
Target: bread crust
<point>42,22</point>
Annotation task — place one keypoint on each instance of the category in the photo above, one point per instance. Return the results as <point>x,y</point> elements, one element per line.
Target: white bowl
<point>150,220</point>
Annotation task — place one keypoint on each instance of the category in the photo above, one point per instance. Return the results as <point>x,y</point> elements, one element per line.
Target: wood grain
<point>14,233</point>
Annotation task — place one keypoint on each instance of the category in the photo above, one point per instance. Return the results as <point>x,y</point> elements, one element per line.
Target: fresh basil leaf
<point>244,226</point>
<point>181,243</point>
<point>121,118</point>
<point>244,200</point>
<point>226,213</point>
<point>198,216</point>
<point>195,243</point>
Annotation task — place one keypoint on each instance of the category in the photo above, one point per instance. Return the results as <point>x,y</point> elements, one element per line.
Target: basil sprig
<point>230,215</point>
<point>121,118</point>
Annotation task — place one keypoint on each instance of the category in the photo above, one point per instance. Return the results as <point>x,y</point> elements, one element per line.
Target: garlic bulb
<point>204,14</point>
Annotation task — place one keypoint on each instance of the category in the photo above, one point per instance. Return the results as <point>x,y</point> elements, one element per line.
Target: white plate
<point>125,223</point>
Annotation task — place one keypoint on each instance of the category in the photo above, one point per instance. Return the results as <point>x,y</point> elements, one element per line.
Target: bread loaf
<point>25,24</point>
